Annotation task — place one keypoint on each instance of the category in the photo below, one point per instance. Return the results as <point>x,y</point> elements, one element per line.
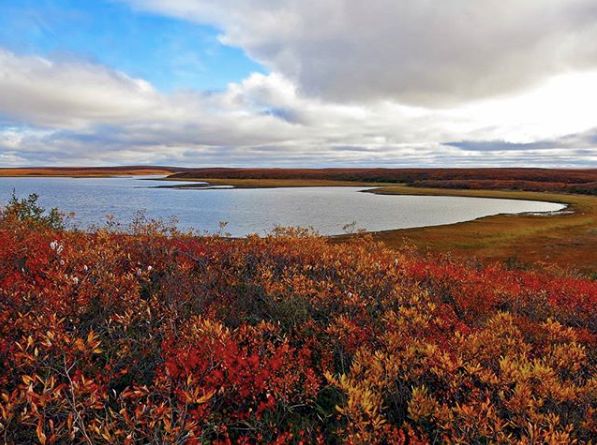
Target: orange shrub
<point>147,338</point>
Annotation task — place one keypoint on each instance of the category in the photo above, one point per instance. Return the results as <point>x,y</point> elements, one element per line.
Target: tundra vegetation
<point>157,336</point>
<point>567,241</point>
<point>583,181</point>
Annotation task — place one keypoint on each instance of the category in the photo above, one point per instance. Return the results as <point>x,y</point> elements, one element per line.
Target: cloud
<point>418,52</point>
<point>72,96</point>
<point>58,93</point>
<point>501,145</point>
<point>579,142</point>
<point>66,112</point>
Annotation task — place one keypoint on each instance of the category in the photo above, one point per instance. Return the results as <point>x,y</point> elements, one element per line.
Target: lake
<point>326,209</point>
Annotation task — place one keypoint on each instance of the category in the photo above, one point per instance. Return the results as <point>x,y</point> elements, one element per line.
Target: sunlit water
<point>326,209</point>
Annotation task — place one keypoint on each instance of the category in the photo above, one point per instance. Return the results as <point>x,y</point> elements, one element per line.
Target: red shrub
<point>144,338</point>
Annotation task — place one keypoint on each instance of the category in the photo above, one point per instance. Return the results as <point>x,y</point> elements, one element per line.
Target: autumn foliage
<point>161,337</point>
<point>530,179</point>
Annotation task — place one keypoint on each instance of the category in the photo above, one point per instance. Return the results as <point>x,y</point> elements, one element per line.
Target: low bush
<point>145,338</point>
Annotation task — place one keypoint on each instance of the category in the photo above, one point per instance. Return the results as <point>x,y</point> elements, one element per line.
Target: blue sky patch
<point>171,54</point>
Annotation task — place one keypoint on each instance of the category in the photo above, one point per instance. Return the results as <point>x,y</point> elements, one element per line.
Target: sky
<point>299,83</point>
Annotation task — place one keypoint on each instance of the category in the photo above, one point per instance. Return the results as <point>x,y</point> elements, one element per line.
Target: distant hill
<point>532,179</point>
<point>88,171</point>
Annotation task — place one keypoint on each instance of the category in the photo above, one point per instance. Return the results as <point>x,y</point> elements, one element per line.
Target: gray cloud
<point>584,142</point>
<point>420,52</point>
<point>74,113</point>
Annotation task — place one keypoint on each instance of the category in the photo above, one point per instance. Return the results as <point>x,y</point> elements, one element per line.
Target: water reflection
<point>326,209</point>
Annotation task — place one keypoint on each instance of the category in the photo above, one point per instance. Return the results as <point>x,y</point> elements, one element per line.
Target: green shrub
<point>27,211</point>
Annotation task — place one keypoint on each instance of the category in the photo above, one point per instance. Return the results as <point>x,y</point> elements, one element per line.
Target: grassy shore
<point>582,181</point>
<point>567,240</point>
<point>265,183</point>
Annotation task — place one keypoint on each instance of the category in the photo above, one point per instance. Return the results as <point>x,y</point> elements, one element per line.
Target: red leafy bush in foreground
<point>148,338</point>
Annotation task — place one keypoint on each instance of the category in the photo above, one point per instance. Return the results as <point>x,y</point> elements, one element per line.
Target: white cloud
<point>67,112</point>
<point>11,158</point>
<point>61,93</point>
<point>421,52</point>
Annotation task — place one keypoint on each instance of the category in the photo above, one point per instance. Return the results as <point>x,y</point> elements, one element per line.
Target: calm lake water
<point>326,209</point>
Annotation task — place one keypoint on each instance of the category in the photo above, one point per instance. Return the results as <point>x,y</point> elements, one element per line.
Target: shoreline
<point>566,238</point>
